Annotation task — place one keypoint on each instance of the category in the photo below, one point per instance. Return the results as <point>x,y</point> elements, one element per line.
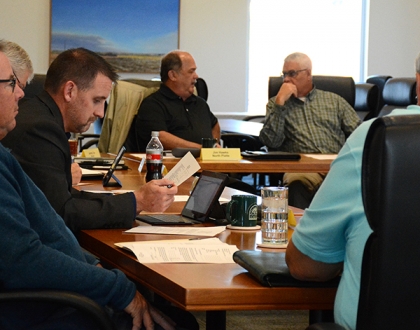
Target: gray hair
<point>301,58</point>
<point>18,57</point>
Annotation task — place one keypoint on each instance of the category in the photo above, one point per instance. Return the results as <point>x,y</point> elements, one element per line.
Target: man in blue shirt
<point>332,234</point>
<point>38,251</point>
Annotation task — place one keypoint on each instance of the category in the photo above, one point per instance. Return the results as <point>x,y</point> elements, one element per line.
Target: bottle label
<point>153,156</point>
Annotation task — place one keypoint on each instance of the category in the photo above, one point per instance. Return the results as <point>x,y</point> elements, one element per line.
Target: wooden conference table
<point>305,164</point>
<point>214,288</point>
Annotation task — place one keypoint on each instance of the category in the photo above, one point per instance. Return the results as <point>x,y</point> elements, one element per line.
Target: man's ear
<point>172,75</point>
<point>69,90</point>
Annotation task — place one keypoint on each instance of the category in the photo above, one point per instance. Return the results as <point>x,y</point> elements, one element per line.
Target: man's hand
<point>76,173</point>
<point>144,314</point>
<point>286,90</point>
<point>155,196</point>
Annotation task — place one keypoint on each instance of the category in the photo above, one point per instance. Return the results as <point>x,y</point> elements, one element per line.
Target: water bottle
<point>154,158</point>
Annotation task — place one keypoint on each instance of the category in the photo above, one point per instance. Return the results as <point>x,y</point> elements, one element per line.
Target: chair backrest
<point>389,292</point>
<point>343,86</point>
<point>201,87</point>
<point>398,93</point>
<point>379,80</point>
<point>255,118</point>
<point>366,101</point>
<point>242,141</point>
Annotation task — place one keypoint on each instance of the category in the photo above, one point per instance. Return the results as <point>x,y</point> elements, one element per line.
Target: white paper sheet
<point>184,169</point>
<point>165,230</point>
<point>181,251</point>
<point>322,156</point>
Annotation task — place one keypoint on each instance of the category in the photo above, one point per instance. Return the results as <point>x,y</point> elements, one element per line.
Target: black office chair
<point>93,314</point>
<point>343,86</point>
<point>398,93</point>
<point>380,81</point>
<point>243,142</point>
<point>389,290</point>
<point>256,118</point>
<point>201,87</point>
<point>366,101</point>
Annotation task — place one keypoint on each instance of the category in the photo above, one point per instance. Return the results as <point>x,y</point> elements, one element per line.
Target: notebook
<point>202,205</point>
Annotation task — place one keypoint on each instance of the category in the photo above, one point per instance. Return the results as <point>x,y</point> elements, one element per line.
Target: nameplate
<point>221,154</point>
<point>91,153</point>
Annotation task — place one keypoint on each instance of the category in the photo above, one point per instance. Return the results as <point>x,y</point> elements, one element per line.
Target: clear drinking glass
<point>274,214</point>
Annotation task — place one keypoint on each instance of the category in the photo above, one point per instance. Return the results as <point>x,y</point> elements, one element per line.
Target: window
<point>330,32</point>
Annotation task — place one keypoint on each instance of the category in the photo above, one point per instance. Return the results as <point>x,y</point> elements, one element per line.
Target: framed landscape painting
<point>132,35</point>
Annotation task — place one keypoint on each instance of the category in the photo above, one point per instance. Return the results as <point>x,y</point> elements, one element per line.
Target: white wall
<point>394,37</point>
<point>216,33</point>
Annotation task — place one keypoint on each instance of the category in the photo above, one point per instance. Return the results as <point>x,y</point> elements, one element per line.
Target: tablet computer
<point>202,205</point>
<point>106,182</point>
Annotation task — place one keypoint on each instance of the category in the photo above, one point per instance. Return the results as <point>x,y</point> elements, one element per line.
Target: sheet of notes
<point>210,250</point>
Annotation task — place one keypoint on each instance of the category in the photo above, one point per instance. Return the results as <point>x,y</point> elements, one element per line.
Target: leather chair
<point>380,81</point>
<point>243,142</point>
<point>398,93</point>
<point>366,101</point>
<point>201,87</point>
<point>256,118</point>
<point>93,313</point>
<point>389,290</point>
<point>343,86</point>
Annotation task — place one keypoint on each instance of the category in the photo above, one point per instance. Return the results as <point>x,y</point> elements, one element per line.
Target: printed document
<point>210,250</point>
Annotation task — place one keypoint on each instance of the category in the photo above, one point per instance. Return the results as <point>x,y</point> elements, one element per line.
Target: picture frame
<point>132,35</point>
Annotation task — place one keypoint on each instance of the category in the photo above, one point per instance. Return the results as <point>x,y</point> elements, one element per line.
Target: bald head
<point>300,58</point>
<point>178,72</point>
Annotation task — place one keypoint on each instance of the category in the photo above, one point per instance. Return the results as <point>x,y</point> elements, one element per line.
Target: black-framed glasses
<point>18,82</point>
<point>12,82</point>
<point>292,73</point>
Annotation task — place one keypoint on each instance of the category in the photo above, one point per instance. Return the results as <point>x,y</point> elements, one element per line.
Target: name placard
<point>221,154</point>
<point>91,153</point>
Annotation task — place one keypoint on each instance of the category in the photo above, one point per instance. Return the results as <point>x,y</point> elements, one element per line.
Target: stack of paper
<point>210,250</point>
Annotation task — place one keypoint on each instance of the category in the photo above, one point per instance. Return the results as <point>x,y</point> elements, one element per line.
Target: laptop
<point>202,205</point>
<point>106,182</point>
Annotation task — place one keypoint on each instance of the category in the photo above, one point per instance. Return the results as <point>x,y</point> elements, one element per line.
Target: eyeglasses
<point>22,87</point>
<point>292,73</point>
<point>12,82</point>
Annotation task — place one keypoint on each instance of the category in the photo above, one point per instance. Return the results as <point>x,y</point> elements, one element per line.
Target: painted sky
<point>134,26</point>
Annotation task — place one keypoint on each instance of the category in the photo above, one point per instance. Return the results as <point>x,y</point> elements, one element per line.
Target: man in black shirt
<point>181,118</point>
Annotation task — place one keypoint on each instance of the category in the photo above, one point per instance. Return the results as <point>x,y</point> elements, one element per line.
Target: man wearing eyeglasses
<point>304,119</point>
<point>38,251</point>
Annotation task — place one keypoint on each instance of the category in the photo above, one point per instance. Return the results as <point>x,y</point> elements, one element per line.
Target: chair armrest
<point>79,302</point>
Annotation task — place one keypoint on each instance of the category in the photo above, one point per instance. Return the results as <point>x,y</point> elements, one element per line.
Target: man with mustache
<point>181,118</point>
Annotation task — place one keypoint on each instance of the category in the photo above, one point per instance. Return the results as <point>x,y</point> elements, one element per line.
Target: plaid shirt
<point>320,124</point>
